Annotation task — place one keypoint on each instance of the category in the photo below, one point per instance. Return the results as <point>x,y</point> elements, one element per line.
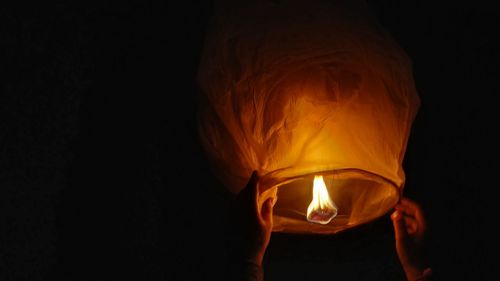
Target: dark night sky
<point>98,138</point>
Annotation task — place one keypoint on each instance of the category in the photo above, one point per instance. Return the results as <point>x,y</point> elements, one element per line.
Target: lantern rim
<point>272,179</point>
<point>269,184</point>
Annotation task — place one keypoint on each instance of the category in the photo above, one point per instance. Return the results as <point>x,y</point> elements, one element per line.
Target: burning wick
<point>322,209</point>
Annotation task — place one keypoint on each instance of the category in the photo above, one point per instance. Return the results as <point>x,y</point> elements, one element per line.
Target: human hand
<point>410,231</point>
<point>251,224</point>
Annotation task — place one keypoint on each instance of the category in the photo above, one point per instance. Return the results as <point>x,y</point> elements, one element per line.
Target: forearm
<point>416,274</point>
<point>245,271</point>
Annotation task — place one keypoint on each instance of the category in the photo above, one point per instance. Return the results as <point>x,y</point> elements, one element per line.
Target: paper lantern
<point>316,97</point>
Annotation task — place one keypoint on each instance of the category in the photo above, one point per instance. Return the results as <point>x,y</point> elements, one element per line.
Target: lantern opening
<point>322,209</point>
<point>360,197</point>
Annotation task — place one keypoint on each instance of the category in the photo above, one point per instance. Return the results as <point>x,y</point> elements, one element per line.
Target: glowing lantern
<point>317,98</point>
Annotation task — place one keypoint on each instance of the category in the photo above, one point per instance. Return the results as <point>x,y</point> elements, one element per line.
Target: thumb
<point>399,225</point>
<point>267,211</point>
<point>248,196</point>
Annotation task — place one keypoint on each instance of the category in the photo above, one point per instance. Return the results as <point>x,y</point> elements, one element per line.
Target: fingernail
<point>395,215</point>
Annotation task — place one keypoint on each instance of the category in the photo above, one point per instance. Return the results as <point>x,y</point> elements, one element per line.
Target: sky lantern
<point>317,98</point>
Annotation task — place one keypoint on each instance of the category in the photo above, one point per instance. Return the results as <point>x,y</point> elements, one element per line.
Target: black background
<point>102,176</point>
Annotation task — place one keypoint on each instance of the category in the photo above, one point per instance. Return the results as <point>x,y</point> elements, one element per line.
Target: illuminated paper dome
<point>306,92</point>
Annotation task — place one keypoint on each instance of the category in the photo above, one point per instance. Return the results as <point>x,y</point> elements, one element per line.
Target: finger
<point>411,225</point>
<point>408,202</point>
<point>414,226</point>
<point>411,205</point>
<point>267,211</point>
<point>406,210</point>
<point>245,203</point>
<point>249,194</point>
<point>399,225</point>
<point>248,189</point>
<point>414,209</point>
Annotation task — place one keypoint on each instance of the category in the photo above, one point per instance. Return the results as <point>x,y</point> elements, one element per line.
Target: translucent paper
<point>293,89</point>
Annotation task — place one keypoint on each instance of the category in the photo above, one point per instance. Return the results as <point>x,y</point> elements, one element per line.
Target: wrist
<point>416,273</point>
<point>256,259</point>
<point>253,255</point>
<point>243,270</point>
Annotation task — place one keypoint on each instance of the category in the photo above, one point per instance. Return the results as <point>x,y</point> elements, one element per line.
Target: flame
<point>322,209</point>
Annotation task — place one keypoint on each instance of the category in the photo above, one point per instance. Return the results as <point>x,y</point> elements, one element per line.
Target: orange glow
<point>322,209</point>
<point>307,89</point>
